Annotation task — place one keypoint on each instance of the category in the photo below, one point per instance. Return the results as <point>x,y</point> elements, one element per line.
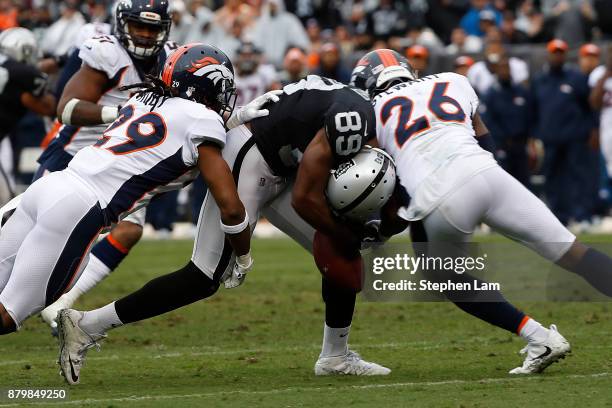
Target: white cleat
<point>349,364</point>
<point>541,355</point>
<point>49,314</point>
<point>74,343</point>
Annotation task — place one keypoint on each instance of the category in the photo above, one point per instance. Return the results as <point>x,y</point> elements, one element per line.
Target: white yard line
<point>309,389</point>
<point>421,345</point>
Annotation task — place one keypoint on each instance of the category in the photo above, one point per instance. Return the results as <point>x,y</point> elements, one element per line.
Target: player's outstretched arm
<point>308,197</point>
<point>221,184</point>
<point>78,104</point>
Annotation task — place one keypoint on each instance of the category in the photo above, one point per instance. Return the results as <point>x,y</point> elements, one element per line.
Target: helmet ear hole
<point>354,191</point>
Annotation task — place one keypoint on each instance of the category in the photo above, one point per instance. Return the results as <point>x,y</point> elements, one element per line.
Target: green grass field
<point>256,346</point>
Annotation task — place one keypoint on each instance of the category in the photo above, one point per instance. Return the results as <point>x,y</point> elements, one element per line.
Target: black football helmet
<point>150,12</point>
<point>376,71</point>
<point>201,73</point>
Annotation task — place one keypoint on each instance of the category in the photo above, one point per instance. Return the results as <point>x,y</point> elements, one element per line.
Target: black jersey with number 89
<point>304,108</point>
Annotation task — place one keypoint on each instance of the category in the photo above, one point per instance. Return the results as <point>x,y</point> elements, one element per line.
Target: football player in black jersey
<point>22,87</point>
<point>281,164</point>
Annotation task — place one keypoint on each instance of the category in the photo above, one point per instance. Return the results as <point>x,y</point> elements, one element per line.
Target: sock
<point>596,268</point>
<point>500,314</point>
<point>101,320</point>
<point>110,252</point>
<point>166,293</point>
<point>94,272</point>
<point>532,331</point>
<point>335,341</point>
<point>339,304</point>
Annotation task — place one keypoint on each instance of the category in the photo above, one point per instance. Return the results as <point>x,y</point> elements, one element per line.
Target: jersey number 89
<point>348,122</point>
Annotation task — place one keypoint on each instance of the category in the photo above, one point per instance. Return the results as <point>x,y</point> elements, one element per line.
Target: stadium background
<point>327,37</point>
<point>257,345</point>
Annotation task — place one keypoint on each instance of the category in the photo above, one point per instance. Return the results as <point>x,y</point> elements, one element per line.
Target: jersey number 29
<point>143,132</point>
<point>406,128</point>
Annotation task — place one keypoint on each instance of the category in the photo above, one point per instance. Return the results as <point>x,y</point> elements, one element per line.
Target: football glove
<point>244,264</point>
<point>252,110</point>
<point>372,237</point>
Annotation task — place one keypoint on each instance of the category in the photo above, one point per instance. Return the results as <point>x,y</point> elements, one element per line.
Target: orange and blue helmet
<point>379,69</point>
<point>201,73</point>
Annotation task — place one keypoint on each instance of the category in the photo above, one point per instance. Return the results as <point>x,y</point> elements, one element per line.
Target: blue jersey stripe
<point>137,186</point>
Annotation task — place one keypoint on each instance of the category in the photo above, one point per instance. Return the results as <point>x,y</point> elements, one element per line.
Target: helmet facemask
<point>141,47</point>
<point>225,101</point>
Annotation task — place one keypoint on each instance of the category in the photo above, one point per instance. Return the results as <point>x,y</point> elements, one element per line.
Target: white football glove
<point>252,110</point>
<point>244,264</point>
<point>373,238</point>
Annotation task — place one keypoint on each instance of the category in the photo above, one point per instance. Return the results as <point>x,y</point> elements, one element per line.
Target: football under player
<point>431,127</point>
<point>281,165</point>
<point>91,100</point>
<point>22,87</point>
<point>162,136</point>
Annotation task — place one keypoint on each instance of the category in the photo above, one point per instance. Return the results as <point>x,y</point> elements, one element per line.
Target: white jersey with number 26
<point>426,126</point>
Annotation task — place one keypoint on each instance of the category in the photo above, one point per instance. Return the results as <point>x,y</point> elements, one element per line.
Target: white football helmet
<point>361,185</point>
<point>20,44</point>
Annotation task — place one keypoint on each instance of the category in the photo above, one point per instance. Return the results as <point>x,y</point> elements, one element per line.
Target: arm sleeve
<point>468,91</point>
<point>206,127</point>
<point>102,54</point>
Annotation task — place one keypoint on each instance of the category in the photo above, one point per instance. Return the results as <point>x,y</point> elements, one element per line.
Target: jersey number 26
<point>406,128</point>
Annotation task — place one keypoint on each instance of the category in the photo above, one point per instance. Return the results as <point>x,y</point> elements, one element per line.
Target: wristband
<point>67,112</point>
<point>235,229</point>
<point>109,114</point>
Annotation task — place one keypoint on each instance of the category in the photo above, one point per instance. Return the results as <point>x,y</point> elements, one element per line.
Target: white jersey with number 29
<point>152,147</point>
<point>426,126</point>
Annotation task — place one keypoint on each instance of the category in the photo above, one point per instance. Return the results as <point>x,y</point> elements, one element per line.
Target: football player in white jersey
<point>430,126</point>
<point>163,135</point>
<point>91,100</point>
<point>252,77</point>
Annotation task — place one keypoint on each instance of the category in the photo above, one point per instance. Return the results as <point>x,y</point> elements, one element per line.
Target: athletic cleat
<point>541,355</point>
<point>49,314</point>
<point>74,343</point>
<point>349,364</point>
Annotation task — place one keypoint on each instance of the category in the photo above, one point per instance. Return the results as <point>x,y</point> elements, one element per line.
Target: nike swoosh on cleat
<point>544,354</point>
<point>344,335</point>
<point>75,377</point>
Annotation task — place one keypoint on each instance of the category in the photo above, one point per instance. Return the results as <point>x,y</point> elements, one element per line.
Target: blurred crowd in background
<point>542,68</point>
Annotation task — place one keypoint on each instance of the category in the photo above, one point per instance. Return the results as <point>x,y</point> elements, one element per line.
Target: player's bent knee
<point>197,279</point>
<point>127,233</point>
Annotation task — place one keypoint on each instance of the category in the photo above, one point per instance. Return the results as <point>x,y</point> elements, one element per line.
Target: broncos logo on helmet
<point>212,69</point>
<point>202,73</point>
